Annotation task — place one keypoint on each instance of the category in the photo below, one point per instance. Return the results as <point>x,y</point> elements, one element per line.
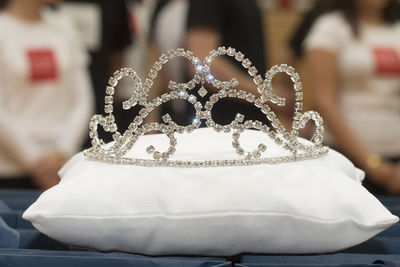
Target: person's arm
<point>71,135</point>
<point>76,123</point>
<point>75,126</point>
<point>116,60</point>
<point>16,144</point>
<point>19,148</point>
<point>158,87</point>
<point>13,139</point>
<point>323,68</point>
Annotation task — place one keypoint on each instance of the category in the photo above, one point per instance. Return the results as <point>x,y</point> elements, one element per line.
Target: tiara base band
<point>93,155</point>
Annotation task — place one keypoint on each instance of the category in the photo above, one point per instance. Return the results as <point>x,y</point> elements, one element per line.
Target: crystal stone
<point>202,91</point>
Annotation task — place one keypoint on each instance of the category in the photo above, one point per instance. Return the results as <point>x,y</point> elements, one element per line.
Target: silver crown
<point>289,141</point>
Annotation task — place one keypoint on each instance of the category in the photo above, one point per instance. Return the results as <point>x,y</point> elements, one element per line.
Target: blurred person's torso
<point>369,81</point>
<point>35,62</point>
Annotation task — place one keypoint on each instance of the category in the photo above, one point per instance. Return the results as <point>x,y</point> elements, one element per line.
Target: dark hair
<point>3,3</point>
<point>391,12</point>
<point>301,31</point>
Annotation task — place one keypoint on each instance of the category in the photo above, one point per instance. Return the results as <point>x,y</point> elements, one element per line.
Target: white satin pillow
<point>311,206</point>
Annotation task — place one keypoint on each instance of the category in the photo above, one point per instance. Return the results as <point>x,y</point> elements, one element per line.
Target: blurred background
<point>56,58</point>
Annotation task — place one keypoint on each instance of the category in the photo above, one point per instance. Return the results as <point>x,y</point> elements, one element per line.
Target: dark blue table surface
<point>37,250</point>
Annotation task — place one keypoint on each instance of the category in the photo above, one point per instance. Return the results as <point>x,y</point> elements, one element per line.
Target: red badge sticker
<point>42,65</point>
<point>387,61</point>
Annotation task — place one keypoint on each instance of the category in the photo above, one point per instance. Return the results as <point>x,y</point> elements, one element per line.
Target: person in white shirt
<point>45,94</point>
<point>353,55</point>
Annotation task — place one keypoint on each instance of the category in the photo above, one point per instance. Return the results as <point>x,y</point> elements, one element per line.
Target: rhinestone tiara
<point>114,153</point>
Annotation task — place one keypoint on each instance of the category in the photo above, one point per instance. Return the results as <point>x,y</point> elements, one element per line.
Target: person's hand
<point>387,174</point>
<point>393,185</point>
<point>45,170</point>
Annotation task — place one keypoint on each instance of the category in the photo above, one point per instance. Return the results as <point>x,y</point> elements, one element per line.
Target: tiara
<point>116,151</point>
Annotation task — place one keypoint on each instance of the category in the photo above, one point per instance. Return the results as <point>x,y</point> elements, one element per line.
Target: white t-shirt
<point>369,78</point>
<point>45,94</point>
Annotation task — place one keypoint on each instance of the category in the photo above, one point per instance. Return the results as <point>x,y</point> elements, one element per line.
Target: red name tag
<point>42,65</point>
<point>387,61</point>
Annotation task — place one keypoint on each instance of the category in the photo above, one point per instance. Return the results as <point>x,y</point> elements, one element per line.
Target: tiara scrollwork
<point>123,142</point>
